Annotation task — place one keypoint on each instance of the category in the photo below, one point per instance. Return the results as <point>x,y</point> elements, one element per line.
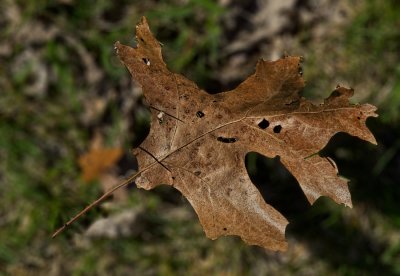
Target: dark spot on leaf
<point>263,124</point>
<point>277,129</point>
<point>335,93</point>
<point>292,102</point>
<point>226,140</point>
<point>199,114</point>
<point>197,173</point>
<point>224,229</point>
<point>173,178</point>
<point>358,117</point>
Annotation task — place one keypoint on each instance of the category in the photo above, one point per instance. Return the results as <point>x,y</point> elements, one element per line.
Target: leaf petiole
<point>95,203</point>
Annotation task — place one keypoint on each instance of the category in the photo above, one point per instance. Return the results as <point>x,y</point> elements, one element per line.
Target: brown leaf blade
<point>198,141</point>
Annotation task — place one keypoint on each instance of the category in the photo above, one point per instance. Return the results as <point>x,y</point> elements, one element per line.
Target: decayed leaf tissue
<point>198,141</point>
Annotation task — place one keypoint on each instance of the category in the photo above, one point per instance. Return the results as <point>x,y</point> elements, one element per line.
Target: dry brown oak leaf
<point>98,160</point>
<point>198,141</point>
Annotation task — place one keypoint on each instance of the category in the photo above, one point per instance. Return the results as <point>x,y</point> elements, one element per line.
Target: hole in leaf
<point>224,229</point>
<point>197,173</point>
<point>277,129</point>
<point>146,61</point>
<point>200,114</point>
<point>263,124</point>
<point>226,140</point>
<point>160,117</point>
<point>300,71</point>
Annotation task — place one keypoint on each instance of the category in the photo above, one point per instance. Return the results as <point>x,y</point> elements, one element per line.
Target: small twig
<point>96,202</point>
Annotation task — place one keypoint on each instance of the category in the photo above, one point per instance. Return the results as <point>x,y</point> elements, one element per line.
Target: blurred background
<point>67,104</point>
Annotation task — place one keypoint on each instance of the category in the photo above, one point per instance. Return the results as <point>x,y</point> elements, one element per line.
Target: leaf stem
<point>96,202</point>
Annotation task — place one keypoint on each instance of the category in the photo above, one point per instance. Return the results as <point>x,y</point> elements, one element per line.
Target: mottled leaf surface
<point>198,141</point>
